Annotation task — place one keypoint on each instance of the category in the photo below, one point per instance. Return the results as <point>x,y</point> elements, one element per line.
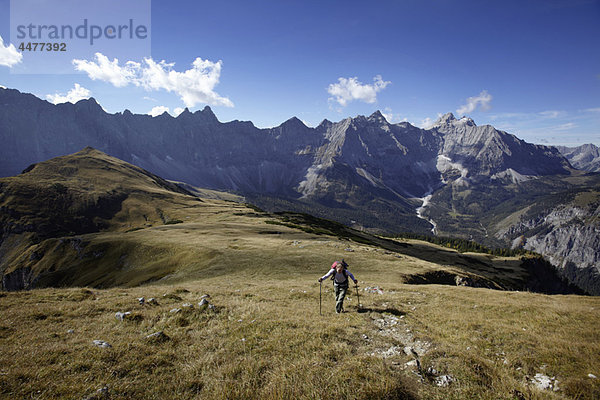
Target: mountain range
<point>454,179</point>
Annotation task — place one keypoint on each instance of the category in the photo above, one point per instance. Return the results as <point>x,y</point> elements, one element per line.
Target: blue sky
<point>531,68</point>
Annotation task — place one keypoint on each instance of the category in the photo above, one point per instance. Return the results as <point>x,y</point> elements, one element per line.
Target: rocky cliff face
<point>484,152</point>
<point>585,157</point>
<point>361,171</point>
<point>568,236</point>
<point>290,160</point>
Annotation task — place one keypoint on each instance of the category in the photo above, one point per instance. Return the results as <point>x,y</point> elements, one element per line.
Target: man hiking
<point>339,273</point>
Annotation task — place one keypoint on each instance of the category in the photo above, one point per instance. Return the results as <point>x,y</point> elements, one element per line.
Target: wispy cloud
<point>349,89</point>
<point>482,101</point>
<point>73,96</point>
<point>9,56</point>
<point>552,114</point>
<point>565,127</point>
<point>193,86</point>
<point>558,127</point>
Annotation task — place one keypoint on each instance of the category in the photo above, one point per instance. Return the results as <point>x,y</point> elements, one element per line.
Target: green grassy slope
<point>152,229</point>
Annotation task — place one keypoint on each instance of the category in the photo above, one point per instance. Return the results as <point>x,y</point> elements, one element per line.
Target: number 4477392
<point>43,46</point>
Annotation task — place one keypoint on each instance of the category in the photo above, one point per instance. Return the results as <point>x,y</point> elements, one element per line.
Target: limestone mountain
<point>92,219</point>
<point>585,157</point>
<point>455,179</point>
<point>362,162</point>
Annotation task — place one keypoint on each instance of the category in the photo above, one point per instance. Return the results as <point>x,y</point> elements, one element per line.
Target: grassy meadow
<point>264,338</point>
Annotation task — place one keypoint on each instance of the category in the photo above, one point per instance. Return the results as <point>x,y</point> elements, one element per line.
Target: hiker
<point>339,274</point>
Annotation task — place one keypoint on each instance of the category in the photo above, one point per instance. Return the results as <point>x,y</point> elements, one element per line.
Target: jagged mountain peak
<point>445,119</point>
<point>324,124</point>
<point>89,104</point>
<point>207,114</point>
<point>377,116</point>
<point>293,123</point>
<point>585,157</point>
<point>185,113</point>
<point>449,119</point>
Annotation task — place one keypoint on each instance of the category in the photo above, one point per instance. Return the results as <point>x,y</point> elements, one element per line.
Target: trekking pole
<point>357,297</point>
<point>320,285</point>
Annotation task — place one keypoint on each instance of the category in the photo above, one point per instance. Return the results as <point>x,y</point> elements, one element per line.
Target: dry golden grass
<point>266,340</point>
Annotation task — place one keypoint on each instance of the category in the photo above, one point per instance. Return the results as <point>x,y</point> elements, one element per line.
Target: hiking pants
<point>340,293</point>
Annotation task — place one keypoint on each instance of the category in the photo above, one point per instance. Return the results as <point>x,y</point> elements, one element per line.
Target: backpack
<point>344,264</point>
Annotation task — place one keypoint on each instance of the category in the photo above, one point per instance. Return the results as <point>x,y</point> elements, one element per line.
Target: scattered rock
<point>444,380</point>
<point>188,306</point>
<point>157,337</point>
<point>544,382</point>
<point>463,281</point>
<point>152,301</point>
<point>592,376</point>
<point>349,249</point>
<point>393,351</point>
<point>203,303</point>
<point>392,327</point>
<point>102,393</point>
<point>365,337</point>
<point>71,331</point>
<point>211,306</point>
<point>102,343</point>
<point>204,296</point>
<point>375,289</point>
<point>171,296</point>
<point>122,315</point>
<point>412,363</point>
<point>175,310</point>
<point>141,300</point>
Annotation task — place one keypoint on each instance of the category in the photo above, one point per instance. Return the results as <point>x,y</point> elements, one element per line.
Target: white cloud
<point>3,87</point>
<point>9,55</point>
<point>483,101</point>
<point>391,117</point>
<point>349,89</point>
<point>592,110</point>
<point>193,86</point>
<point>158,110</point>
<point>73,96</point>
<point>109,71</point>
<point>427,123</point>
